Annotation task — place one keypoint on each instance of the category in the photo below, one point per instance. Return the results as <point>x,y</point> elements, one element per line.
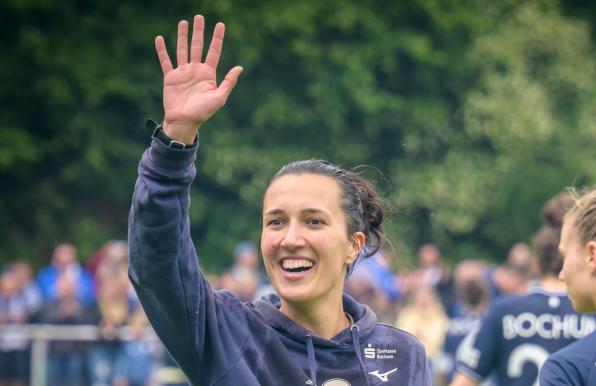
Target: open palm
<point>190,94</point>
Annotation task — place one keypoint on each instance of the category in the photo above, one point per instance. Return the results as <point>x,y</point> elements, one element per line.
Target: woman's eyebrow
<point>274,211</point>
<point>314,211</point>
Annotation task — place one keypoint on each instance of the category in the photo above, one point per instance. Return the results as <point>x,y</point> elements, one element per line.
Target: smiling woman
<point>318,219</point>
<point>311,238</point>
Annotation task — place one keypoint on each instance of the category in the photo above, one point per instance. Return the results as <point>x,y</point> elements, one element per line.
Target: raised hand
<point>190,92</point>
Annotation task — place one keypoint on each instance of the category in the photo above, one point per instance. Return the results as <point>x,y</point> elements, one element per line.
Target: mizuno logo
<point>383,376</point>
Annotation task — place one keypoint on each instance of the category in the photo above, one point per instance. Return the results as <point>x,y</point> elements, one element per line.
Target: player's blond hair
<point>583,214</point>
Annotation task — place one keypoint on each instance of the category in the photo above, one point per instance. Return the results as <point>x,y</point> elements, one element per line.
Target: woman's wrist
<point>182,132</point>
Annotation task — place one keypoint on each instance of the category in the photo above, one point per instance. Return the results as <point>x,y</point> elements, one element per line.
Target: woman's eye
<point>315,221</point>
<point>275,222</point>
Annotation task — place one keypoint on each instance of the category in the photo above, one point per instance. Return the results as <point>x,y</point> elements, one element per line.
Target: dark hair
<point>361,204</point>
<point>474,293</point>
<point>554,210</point>
<point>546,248</point>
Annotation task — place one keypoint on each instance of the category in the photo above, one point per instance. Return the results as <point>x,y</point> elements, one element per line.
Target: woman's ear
<point>591,258</point>
<point>358,242</point>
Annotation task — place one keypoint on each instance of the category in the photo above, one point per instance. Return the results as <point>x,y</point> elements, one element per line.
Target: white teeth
<point>296,263</point>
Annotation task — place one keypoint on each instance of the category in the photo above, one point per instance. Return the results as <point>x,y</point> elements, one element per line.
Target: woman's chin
<point>294,294</point>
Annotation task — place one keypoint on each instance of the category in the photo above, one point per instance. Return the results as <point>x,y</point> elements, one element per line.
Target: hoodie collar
<point>364,322</point>
<point>364,319</point>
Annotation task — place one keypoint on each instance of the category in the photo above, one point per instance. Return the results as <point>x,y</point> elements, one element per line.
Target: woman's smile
<point>296,268</point>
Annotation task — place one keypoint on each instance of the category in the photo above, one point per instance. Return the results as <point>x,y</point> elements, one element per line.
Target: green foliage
<point>475,112</point>
<point>521,119</point>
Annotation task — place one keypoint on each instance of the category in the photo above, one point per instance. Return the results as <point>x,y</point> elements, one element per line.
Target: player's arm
<point>462,379</point>
<point>163,261</point>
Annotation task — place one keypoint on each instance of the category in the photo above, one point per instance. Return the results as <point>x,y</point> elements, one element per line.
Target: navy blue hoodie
<point>219,340</point>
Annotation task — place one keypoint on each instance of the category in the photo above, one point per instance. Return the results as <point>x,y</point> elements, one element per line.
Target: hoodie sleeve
<point>204,330</point>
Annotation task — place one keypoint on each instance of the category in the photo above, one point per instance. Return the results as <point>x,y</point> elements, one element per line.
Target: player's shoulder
<point>506,304</point>
<point>535,298</point>
<point>572,364</point>
<point>505,301</point>
<point>581,349</point>
<point>385,333</point>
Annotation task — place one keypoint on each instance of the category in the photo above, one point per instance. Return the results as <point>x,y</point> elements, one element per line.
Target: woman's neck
<point>552,284</point>
<point>323,320</point>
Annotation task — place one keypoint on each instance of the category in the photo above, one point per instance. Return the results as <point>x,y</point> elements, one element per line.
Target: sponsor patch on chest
<point>379,352</point>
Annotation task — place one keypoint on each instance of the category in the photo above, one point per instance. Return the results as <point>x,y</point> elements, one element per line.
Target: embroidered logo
<point>371,352</point>
<point>383,376</point>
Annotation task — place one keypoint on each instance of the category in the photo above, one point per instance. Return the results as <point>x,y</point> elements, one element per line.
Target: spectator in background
<point>110,313</point>
<point>14,358</point>
<point>520,255</point>
<point>28,286</point>
<point>436,275</point>
<point>112,253</point>
<point>373,283</point>
<point>244,279</point>
<point>424,317</point>
<point>65,357</point>
<point>509,279</point>
<point>135,360</point>
<point>64,263</point>
<point>472,302</point>
<point>429,263</point>
<point>115,303</point>
<point>114,265</point>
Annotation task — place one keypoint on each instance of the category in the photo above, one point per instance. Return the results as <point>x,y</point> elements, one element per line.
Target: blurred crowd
<point>67,293</point>
<point>433,300</point>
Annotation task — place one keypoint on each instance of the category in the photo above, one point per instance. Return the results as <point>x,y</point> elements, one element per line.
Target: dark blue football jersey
<point>574,365</point>
<point>457,329</point>
<point>518,334</point>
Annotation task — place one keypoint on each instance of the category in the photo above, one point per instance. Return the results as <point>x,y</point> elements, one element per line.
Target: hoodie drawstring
<point>355,339</point>
<point>312,362</point>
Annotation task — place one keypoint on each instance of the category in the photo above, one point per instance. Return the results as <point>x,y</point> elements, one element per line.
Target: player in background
<point>519,332</point>
<point>576,364</point>
<point>473,299</point>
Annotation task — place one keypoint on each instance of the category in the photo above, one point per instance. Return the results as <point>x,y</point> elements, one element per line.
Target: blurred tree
<point>475,112</point>
<point>525,124</point>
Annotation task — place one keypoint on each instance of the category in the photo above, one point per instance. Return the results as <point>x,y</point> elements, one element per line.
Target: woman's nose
<point>293,238</point>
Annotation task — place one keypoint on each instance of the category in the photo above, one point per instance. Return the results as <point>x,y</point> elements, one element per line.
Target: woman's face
<point>575,272</point>
<point>305,242</point>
